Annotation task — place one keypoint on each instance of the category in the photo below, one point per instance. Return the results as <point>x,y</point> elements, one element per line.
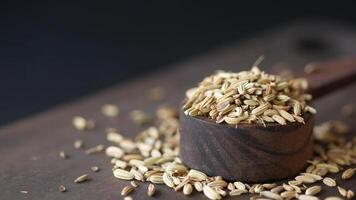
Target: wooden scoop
<point>257,153</point>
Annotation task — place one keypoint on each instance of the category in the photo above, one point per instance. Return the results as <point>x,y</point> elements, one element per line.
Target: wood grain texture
<point>239,153</point>
<point>29,148</point>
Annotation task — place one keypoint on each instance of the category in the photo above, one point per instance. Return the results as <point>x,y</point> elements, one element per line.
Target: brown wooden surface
<point>239,153</point>
<point>29,148</point>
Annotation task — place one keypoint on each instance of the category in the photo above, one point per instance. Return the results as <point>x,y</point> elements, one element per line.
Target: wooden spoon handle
<point>330,76</point>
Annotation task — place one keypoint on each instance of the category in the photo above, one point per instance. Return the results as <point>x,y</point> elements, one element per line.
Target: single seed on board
<point>78,144</point>
<point>307,197</point>
<point>114,151</point>
<point>271,195</point>
<point>269,185</point>
<point>95,168</point>
<point>123,174</point>
<point>295,182</point>
<point>314,176</point>
<point>305,179</point>
<point>96,149</point>
<point>151,190</point>
<point>113,136</point>
<point>167,179</point>
<point>134,184</point>
<point>342,191</point>
<point>110,110</point>
<point>82,178</point>
<point>157,179</point>
<point>217,183</point>
<point>139,117</point>
<point>288,194</point>
<point>128,198</point>
<point>329,182</point>
<point>62,188</point>
<point>197,175</point>
<point>126,190</point>
<point>198,186</point>
<point>211,193</point>
<point>24,192</point>
<point>187,189</point>
<point>313,190</point>
<point>80,123</point>
<point>237,192</point>
<point>347,174</point>
<point>350,194</point>
<point>63,155</point>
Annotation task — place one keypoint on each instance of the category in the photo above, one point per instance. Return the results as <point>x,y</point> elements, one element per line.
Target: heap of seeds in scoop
<point>249,97</point>
<point>153,157</point>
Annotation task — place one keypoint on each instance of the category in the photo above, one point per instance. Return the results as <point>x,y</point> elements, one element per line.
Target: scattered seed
<point>197,175</point>
<point>95,168</point>
<point>123,174</point>
<point>307,197</point>
<point>347,174</point>
<point>151,190</point>
<point>63,155</point>
<point>329,182</point>
<point>271,195</point>
<point>94,150</point>
<point>313,190</point>
<point>157,179</point>
<point>187,189</point>
<point>305,179</point>
<point>110,110</point>
<point>126,190</point>
<point>350,194</point>
<point>80,123</point>
<point>288,194</point>
<point>82,178</point>
<point>168,180</point>
<point>139,117</point>
<point>78,144</point>
<point>198,186</point>
<point>211,193</point>
<point>237,192</point>
<point>342,191</point>
<point>62,188</point>
<point>134,184</point>
<point>114,151</point>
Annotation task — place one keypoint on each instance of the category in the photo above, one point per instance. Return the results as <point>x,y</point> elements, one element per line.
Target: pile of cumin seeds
<point>153,157</point>
<point>251,96</point>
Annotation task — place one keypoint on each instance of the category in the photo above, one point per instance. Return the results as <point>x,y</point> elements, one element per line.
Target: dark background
<point>52,52</point>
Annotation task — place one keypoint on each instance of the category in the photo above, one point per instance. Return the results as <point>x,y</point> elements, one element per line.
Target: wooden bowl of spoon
<point>254,152</point>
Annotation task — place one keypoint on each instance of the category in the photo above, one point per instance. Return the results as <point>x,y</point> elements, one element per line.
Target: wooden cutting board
<point>29,148</point>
